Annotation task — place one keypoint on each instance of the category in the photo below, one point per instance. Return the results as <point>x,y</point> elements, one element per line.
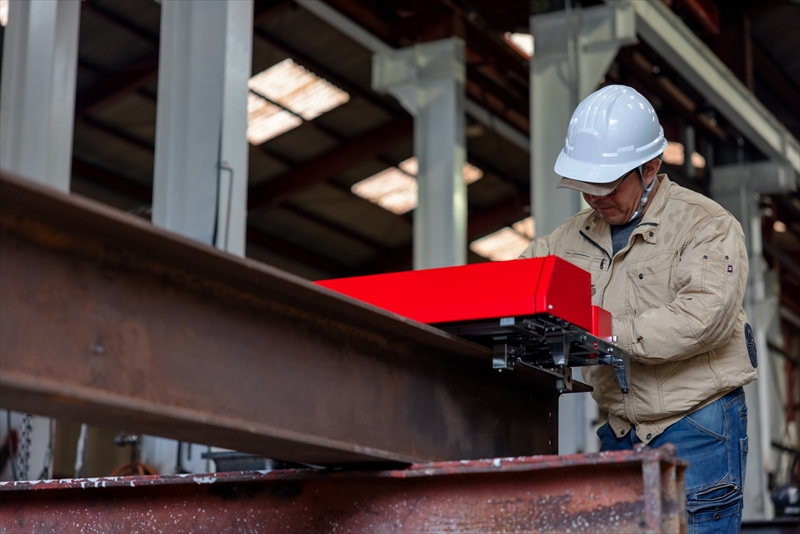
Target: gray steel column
<point>428,79</point>
<point>37,99</point>
<point>200,188</point>
<point>572,50</point>
<point>737,189</point>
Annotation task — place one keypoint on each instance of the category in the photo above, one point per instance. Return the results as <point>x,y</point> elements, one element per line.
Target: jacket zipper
<point>593,242</point>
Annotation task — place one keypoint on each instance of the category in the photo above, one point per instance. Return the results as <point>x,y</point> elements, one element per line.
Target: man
<point>671,267</point>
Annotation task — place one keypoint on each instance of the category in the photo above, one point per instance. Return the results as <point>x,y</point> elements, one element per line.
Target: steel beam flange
<point>624,491</point>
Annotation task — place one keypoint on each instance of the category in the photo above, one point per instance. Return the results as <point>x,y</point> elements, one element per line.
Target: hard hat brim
<point>597,190</point>
<point>594,174</point>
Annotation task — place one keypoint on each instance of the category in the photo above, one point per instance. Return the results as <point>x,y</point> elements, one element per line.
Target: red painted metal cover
<point>479,291</point>
<point>601,323</point>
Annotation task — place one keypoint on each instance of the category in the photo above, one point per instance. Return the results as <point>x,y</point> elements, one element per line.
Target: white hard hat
<point>613,131</point>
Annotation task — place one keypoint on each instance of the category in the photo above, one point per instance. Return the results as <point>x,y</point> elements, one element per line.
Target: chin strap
<point>646,189</point>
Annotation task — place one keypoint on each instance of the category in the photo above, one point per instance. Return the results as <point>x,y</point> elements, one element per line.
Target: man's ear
<point>651,167</point>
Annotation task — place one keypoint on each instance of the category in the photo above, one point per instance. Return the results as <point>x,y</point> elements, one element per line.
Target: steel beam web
<point>109,320</point>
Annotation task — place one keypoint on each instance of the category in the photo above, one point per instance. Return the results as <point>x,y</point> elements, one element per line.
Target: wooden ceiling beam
<point>120,22</point>
<point>112,181</point>
<point>115,132</point>
<point>497,105</point>
<point>501,61</point>
<point>704,12</point>
<point>291,251</point>
<point>488,42</point>
<point>365,146</point>
<point>123,82</point>
<point>480,224</point>
<point>140,72</point>
<point>265,9</point>
<point>776,78</point>
<point>640,67</point>
<point>401,219</point>
<point>374,16</point>
<point>502,214</point>
<point>323,72</point>
<point>510,98</point>
<point>336,227</point>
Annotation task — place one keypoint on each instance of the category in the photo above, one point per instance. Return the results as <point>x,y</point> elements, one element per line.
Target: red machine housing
<point>483,291</point>
<point>602,324</point>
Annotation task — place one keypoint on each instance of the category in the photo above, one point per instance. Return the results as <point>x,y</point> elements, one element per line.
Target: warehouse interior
<point>305,158</point>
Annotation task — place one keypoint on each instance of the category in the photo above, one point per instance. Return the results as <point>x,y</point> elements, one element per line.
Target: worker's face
<point>620,205</point>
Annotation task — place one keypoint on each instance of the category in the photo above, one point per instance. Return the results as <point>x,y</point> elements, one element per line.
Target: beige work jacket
<point>675,292</point>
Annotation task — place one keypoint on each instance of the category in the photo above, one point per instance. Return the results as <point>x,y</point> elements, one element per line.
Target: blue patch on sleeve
<point>751,345</point>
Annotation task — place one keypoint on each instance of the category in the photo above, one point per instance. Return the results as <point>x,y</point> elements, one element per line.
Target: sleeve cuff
<point>623,329</point>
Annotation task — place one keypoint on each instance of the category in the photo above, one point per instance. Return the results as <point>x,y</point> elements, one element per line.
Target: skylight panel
<point>526,228</point>
<point>472,173</point>
<point>521,41</point>
<point>410,166</point>
<point>506,243</point>
<point>266,120</point>
<point>396,188</point>
<point>675,155</point>
<point>294,88</point>
<point>298,89</point>
<point>391,189</point>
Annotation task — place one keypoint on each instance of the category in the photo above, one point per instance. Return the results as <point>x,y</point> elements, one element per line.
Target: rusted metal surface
<point>619,492</point>
<point>108,320</point>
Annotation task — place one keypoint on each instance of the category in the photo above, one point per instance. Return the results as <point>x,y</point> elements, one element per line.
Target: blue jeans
<point>713,440</point>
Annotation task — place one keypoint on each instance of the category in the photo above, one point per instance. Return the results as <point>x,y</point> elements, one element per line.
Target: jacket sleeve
<point>539,247</point>
<point>711,277</point>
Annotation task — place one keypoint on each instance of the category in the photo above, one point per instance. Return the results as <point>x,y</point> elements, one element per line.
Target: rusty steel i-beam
<point>613,492</point>
<point>111,321</point>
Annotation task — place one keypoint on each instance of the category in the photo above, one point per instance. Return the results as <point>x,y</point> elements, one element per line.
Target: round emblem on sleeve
<point>751,345</point>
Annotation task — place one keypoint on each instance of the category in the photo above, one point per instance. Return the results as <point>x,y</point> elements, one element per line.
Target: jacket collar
<point>599,231</point>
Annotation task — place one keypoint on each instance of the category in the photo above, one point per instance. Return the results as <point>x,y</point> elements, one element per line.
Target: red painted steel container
<point>479,291</point>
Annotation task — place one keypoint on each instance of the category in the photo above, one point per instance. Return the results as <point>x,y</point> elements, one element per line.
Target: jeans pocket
<point>717,509</point>
<point>709,419</point>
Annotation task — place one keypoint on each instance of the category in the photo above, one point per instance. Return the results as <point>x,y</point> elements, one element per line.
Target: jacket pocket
<point>587,262</point>
<point>716,271</point>
<point>650,283</point>
<point>685,384</point>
